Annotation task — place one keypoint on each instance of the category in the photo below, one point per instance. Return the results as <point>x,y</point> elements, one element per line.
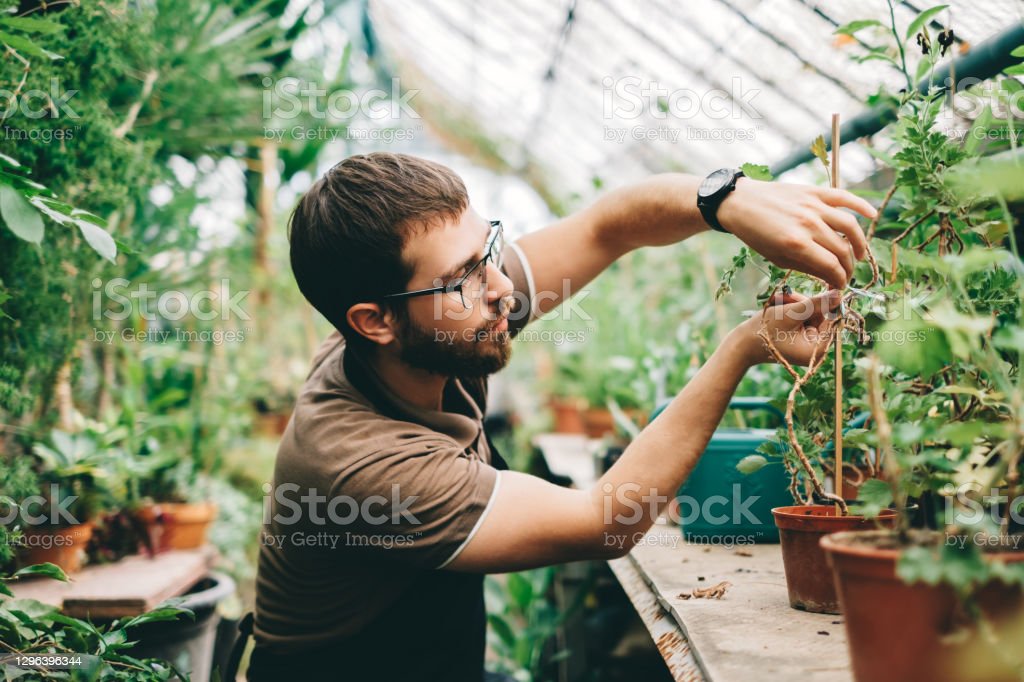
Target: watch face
<point>716,181</point>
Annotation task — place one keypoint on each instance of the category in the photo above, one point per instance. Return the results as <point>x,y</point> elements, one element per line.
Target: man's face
<point>441,334</point>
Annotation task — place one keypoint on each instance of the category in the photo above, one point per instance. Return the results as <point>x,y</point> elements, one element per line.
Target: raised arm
<point>793,226</point>
<point>534,523</point>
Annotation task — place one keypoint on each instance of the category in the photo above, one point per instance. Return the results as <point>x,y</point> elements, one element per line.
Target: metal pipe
<point>983,61</point>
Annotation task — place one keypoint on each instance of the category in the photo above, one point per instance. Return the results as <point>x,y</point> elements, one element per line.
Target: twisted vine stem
<point>846,320</point>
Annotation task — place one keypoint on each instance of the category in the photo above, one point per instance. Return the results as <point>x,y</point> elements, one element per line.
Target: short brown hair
<point>348,231</point>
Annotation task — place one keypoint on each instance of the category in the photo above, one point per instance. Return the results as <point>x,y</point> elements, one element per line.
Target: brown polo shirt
<point>369,492</point>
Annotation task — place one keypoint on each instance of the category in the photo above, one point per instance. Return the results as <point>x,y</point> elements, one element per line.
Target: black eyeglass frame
<point>457,284</point>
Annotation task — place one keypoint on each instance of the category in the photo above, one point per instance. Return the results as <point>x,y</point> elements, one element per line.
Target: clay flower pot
<point>808,576</point>
<point>568,415</point>
<point>63,547</point>
<point>598,421</point>
<point>903,633</point>
<point>178,525</point>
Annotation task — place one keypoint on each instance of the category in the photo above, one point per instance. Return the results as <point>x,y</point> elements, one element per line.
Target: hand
<point>799,226</point>
<point>796,328</point>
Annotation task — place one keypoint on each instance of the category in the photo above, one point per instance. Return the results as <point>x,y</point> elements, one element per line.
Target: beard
<point>467,353</point>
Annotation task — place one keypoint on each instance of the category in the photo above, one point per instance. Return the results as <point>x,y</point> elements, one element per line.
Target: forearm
<point>660,210</point>
<point>631,495</point>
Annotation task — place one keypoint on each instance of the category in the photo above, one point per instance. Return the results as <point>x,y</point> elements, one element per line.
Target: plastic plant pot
<point>899,632</point>
<point>808,576</point>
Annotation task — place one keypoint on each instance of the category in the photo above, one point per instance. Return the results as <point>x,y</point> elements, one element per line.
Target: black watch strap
<point>708,204</point>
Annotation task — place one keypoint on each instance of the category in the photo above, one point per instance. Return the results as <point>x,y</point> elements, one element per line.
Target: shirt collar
<point>461,419</point>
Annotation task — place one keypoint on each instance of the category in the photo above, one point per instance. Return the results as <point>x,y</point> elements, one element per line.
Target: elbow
<point>613,545</point>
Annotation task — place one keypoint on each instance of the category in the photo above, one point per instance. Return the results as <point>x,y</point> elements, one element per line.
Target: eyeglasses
<point>470,286</point>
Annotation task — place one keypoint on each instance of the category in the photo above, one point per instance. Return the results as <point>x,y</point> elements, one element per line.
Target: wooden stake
<point>838,438</point>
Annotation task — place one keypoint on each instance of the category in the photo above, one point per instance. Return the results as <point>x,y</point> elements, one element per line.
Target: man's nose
<point>498,284</point>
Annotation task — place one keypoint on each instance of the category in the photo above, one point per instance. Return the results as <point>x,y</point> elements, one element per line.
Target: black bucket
<point>187,643</point>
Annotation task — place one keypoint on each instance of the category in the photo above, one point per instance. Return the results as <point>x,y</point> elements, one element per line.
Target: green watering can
<point>718,504</point>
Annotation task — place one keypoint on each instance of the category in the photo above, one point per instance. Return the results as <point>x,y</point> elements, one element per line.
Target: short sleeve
<point>421,501</point>
<point>517,268</point>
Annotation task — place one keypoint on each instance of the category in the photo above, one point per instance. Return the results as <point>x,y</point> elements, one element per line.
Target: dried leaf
<point>714,592</point>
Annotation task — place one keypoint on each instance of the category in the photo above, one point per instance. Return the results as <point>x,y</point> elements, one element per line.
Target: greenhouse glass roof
<point>582,89</point>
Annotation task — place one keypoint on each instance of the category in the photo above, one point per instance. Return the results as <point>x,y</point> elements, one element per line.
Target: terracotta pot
<point>808,577</point>
<point>568,415</point>
<point>599,422</point>
<point>63,547</point>
<point>178,526</point>
<point>272,424</point>
<point>909,633</point>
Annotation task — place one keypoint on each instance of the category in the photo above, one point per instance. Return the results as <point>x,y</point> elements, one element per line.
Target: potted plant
<point>73,490</point>
<point>565,391</point>
<point>174,517</point>
<point>933,353</point>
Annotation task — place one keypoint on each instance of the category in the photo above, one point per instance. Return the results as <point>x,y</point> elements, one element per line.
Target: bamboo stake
<point>837,440</point>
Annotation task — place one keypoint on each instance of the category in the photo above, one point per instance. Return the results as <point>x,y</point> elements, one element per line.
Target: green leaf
<point>859,25</point>
<point>49,570</point>
<point>25,45</point>
<point>98,239</point>
<point>31,609</point>
<point>874,496</point>
<point>757,171</point>
<point>919,564</point>
<point>502,629</point>
<point>913,346</point>
<point>923,67</point>
<point>31,25</point>
<point>521,591</point>
<point>158,615</point>
<point>20,216</point>
<point>959,565</point>
<point>1015,70</point>
<point>1017,51</point>
<point>750,464</point>
<point>921,19</point>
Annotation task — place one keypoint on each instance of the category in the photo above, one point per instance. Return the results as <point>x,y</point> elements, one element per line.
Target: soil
<point>925,538</point>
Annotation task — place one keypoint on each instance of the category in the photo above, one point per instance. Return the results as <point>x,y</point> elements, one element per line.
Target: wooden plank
<point>129,587</point>
<point>752,628</point>
<point>665,631</point>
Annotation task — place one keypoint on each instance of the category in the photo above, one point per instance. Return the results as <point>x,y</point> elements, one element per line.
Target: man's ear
<point>369,320</point>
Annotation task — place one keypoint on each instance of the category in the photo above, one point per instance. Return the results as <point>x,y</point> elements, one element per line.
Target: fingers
<point>842,198</point>
<point>839,247</point>
<point>822,263</point>
<point>804,311</point>
<point>845,224</point>
<point>824,304</point>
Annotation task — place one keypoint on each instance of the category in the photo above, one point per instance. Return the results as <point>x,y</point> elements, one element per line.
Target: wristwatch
<point>713,191</point>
